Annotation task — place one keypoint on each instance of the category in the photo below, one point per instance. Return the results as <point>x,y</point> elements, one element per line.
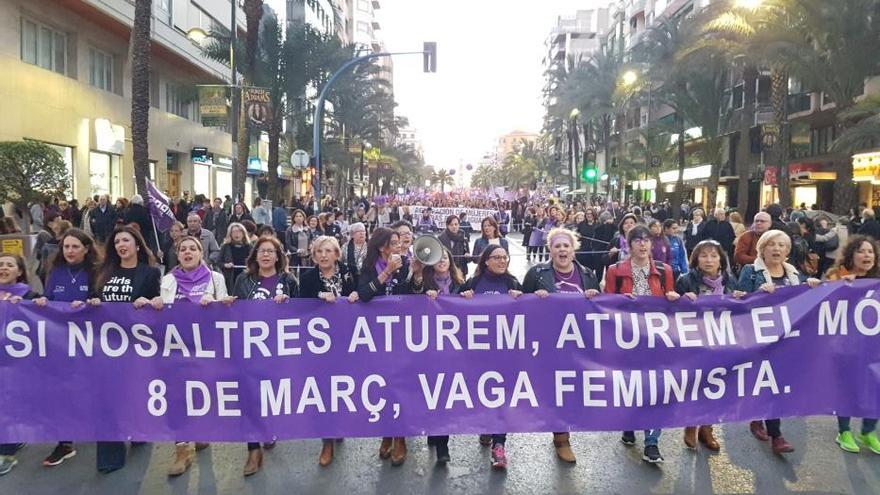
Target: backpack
<point>661,269</point>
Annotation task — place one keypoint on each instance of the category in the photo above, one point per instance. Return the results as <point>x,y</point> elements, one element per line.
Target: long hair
<point>494,223</point>
<point>22,269</point>
<point>92,260</point>
<point>381,238</point>
<point>849,251</point>
<point>112,260</point>
<point>253,268</point>
<point>233,226</point>
<point>454,272</point>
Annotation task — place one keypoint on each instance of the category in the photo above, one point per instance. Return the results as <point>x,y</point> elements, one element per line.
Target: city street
<point>604,465</point>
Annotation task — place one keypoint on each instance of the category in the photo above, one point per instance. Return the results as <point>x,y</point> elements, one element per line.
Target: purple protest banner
<point>160,210</point>
<point>408,365</point>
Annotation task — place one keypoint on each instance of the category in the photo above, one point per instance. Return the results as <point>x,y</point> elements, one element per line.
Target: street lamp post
<point>574,142</point>
<point>430,65</point>
<point>198,35</point>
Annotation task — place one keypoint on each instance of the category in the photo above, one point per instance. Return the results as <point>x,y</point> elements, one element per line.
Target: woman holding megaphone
<point>385,273</point>
<point>439,279</point>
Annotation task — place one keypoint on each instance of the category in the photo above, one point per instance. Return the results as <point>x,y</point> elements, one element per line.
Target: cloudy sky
<point>489,73</point>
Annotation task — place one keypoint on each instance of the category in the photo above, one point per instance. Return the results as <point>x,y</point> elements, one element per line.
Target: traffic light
<point>429,55</point>
<point>589,173</point>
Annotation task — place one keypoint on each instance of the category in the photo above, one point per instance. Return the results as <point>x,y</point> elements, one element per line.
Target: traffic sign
<point>299,159</point>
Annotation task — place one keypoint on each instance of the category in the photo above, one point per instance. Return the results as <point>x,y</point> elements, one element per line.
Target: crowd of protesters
<point>219,251</point>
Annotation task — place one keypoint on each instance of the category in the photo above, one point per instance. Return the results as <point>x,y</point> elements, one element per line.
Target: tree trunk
<point>679,183</point>
<point>743,149</point>
<point>779,97</point>
<point>845,193</point>
<point>243,140</point>
<point>140,93</point>
<point>275,127</point>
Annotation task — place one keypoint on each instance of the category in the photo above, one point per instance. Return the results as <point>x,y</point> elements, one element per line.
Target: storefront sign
<point>212,106</point>
<point>257,107</point>
<point>200,155</point>
<point>692,173</point>
<point>770,174</point>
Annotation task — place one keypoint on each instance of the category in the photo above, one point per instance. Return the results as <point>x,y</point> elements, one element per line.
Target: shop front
<point>105,159</point>
<point>866,173</point>
<point>695,180</point>
<point>811,183</point>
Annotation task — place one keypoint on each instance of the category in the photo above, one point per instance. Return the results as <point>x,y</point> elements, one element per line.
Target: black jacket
<point>541,277</point>
<point>369,285</point>
<point>691,239</point>
<point>871,228</point>
<point>723,233</point>
<point>102,223</point>
<point>310,282</point>
<point>470,284</point>
<point>692,281</point>
<point>246,285</point>
<point>458,245</point>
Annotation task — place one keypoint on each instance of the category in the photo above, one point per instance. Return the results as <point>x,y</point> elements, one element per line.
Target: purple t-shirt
<point>568,283</point>
<point>491,284</point>
<point>267,288</point>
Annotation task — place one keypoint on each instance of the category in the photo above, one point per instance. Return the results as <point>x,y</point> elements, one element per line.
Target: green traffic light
<point>589,174</point>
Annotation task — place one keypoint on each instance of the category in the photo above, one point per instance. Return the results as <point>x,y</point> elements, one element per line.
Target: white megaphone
<point>428,250</point>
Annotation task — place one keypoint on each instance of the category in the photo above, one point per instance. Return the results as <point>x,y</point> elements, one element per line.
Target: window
<point>364,5</point>
<point>737,95</point>
<point>363,27</point>
<point>175,102</point>
<point>763,90</point>
<point>43,46</point>
<point>104,174</point>
<point>163,11</point>
<point>100,69</point>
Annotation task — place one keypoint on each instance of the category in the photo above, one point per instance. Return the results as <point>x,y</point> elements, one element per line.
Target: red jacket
<point>619,278</point>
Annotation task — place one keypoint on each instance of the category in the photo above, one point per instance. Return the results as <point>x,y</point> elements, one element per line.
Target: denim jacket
<point>753,276</point>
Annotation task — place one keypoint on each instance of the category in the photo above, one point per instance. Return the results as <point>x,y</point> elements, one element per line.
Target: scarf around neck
<point>716,285</point>
<point>192,285</point>
<point>17,289</point>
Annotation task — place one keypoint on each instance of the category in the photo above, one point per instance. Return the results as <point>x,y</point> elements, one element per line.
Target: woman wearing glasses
<point>385,273</point>
<point>265,278</point>
<point>561,274</point>
<point>639,275</point>
<point>709,275</point>
<point>492,277</point>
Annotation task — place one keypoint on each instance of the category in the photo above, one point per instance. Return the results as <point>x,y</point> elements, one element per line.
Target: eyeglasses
<point>499,257</point>
<point>265,251</point>
<point>640,240</point>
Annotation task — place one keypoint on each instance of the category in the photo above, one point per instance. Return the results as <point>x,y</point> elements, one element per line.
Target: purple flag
<point>407,365</point>
<point>160,210</point>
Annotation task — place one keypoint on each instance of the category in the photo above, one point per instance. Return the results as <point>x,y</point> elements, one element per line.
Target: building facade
<point>68,84</point>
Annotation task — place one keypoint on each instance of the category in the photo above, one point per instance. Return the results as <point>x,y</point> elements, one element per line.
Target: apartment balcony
<point>800,102</point>
<point>634,8</point>
<point>376,5</point>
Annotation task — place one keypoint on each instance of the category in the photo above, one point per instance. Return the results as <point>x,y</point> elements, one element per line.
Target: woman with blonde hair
<point>769,271</point>
<point>234,252</point>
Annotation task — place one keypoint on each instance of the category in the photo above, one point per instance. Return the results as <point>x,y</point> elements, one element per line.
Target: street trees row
<point>293,62</point>
<point>687,63</point>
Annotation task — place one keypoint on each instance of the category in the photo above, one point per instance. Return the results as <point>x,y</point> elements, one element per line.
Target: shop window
<point>104,174</point>
<point>763,90</point>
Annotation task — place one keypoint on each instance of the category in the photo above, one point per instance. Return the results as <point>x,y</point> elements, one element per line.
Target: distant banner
<point>407,365</point>
<point>257,107</point>
<point>160,208</point>
<point>475,216</point>
<point>212,106</point>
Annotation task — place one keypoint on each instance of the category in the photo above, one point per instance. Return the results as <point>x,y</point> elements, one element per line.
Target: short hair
<point>736,217</point>
<point>637,231</point>
<point>557,231</point>
<point>493,223</point>
<point>450,218</point>
<point>694,261</point>
<point>669,222</point>
<point>769,236</point>
<point>233,226</point>
<point>868,213</point>
<point>401,223</point>
<point>628,216</point>
<point>137,199</point>
<point>188,238</point>
<point>357,226</point>
<point>322,240</point>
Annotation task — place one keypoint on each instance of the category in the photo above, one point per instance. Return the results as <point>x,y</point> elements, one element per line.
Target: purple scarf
<point>624,247</point>
<point>192,285</point>
<point>17,289</point>
<point>381,265</point>
<point>443,284</point>
<point>715,284</point>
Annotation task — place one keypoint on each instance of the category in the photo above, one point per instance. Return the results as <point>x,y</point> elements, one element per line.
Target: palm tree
<point>140,92</point>
<point>828,47</point>
<point>862,126</point>
<point>443,178</point>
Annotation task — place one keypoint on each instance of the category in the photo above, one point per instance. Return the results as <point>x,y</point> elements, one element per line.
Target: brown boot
<point>385,448</point>
<point>690,437</point>
<point>326,456</point>
<point>183,459</point>
<point>254,462</point>
<point>563,447</point>
<point>758,430</point>
<point>707,438</point>
<point>398,454</point>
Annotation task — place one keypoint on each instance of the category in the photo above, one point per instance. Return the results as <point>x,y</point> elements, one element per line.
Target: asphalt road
<point>744,465</point>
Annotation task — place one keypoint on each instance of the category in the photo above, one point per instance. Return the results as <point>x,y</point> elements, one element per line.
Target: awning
<point>693,173</point>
